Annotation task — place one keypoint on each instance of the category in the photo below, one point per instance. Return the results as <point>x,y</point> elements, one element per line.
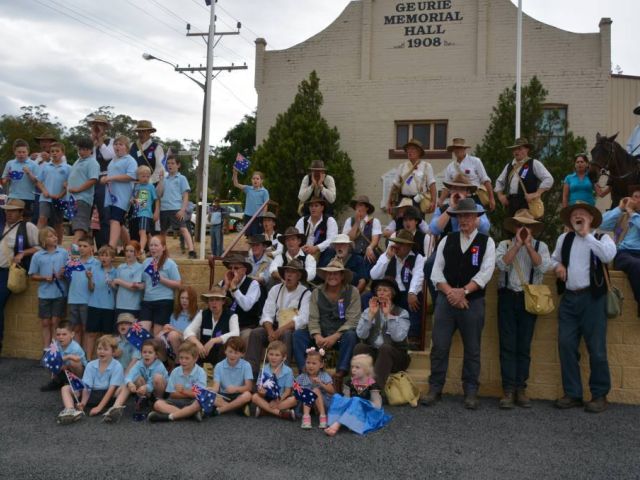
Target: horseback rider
<point>633,144</point>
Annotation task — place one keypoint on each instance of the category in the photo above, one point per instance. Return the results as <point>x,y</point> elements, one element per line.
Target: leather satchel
<point>537,298</point>
<point>614,297</point>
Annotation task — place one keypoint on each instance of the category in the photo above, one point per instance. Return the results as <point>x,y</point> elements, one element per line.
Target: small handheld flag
<point>206,398</point>
<point>77,385</point>
<point>52,359</point>
<point>241,164</point>
<point>137,335</point>
<point>16,175</point>
<point>73,265</point>
<point>112,197</point>
<point>270,385</point>
<point>152,271</point>
<point>304,395</point>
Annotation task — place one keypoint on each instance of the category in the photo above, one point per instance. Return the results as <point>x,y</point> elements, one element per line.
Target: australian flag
<point>206,398</point>
<point>152,271</point>
<point>136,335</point>
<point>112,197</point>
<point>52,359</point>
<point>75,382</point>
<point>304,394</point>
<point>271,387</point>
<point>71,207</point>
<point>242,163</point>
<point>16,175</point>
<point>167,346</point>
<point>73,265</point>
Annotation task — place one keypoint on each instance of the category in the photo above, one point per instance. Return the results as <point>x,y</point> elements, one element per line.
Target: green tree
<point>299,136</point>
<point>555,146</point>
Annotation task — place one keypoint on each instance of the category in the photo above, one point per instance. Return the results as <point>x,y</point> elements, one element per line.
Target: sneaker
<point>522,400</point>
<point>431,398</point>
<point>258,412</point>
<point>192,254</point>
<point>53,385</point>
<point>113,415</point>
<point>288,415</point>
<point>507,401</point>
<point>154,417</point>
<point>323,422</point>
<point>471,401</point>
<point>68,416</point>
<point>198,416</point>
<point>306,422</point>
<point>596,405</point>
<point>568,402</point>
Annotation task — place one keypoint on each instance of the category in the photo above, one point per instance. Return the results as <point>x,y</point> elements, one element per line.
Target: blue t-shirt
<point>53,176</point>
<point>145,195</point>
<point>82,170</point>
<point>129,299</point>
<point>323,377</point>
<point>196,377</point>
<point>21,185</point>
<point>125,165</point>
<point>140,370</point>
<point>181,322</point>
<point>174,188</point>
<point>46,263</point>
<point>160,291</point>
<point>284,376</point>
<point>73,348</point>
<point>580,190</point>
<point>228,376</point>
<point>79,285</point>
<point>96,380</point>
<point>254,199</point>
<point>128,352</point>
<point>103,296</point>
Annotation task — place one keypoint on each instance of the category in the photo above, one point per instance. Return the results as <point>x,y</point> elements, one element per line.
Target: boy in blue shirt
<point>233,378</point>
<point>146,205</point>
<point>52,181</point>
<point>73,357</point>
<point>266,401</point>
<point>81,185</point>
<point>76,272</point>
<point>102,300</point>
<point>21,176</point>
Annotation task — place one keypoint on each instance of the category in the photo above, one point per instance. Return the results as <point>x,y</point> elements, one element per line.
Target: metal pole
<point>519,70</point>
<point>207,126</point>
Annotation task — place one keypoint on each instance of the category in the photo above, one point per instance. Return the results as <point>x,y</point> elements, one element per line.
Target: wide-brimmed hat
<point>416,143</point>
<point>237,258</point>
<point>466,205</point>
<point>46,136</point>
<point>291,232</point>
<point>637,109</point>
<point>316,200</point>
<point>521,142</point>
<point>269,215</point>
<point>294,264</point>
<point>412,213</point>
<point>125,318</point>
<point>523,217</point>
<point>336,265</point>
<point>215,292</point>
<point>144,125</point>
<point>317,165</point>
<point>403,236</point>
<point>100,119</point>
<point>342,238</point>
<point>256,239</point>
<point>633,188</point>
<point>13,204</point>
<point>565,214</point>
<point>386,282</point>
<point>460,181</point>
<point>457,143</point>
<point>405,202</point>
<point>365,201</point>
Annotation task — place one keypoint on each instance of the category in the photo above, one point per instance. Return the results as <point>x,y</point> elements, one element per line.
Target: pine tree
<point>555,152</point>
<point>299,136</point>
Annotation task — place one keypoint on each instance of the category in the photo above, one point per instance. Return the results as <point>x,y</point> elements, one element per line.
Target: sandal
<point>323,421</point>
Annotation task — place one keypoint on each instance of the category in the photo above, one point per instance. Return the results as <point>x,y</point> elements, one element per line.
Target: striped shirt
<point>524,262</point>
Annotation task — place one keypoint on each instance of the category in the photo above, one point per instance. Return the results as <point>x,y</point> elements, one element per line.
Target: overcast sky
<point>76,55</point>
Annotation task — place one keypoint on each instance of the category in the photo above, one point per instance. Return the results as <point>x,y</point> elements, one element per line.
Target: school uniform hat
<point>294,264</point>
<point>412,213</point>
<point>461,181</point>
<point>405,202</point>
<point>336,265</point>
<point>144,125</point>
<point>125,318</point>
<point>342,238</point>
<point>316,200</point>
<point>85,143</point>
<point>521,142</point>
<point>100,119</point>
<point>637,109</point>
<point>256,239</point>
<point>269,215</point>
<point>403,236</point>
<point>416,143</point>
<point>291,232</point>
<point>236,258</point>
<point>317,165</point>
<point>466,205</point>
<point>385,282</point>
<point>633,188</point>
<point>13,204</point>
<point>457,143</point>
<point>215,292</point>
<point>565,214</point>
<point>365,201</point>
<point>523,217</point>
<point>46,136</point>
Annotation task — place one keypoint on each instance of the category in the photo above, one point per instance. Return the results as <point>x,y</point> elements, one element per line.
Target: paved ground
<point>442,442</point>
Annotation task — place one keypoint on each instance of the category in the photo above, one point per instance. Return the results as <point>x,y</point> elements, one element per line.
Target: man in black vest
<point>464,264</point>
<point>103,151</point>
<point>319,230</point>
<point>364,230</point>
<point>292,241</point>
<point>579,261</point>
<point>146,151</point>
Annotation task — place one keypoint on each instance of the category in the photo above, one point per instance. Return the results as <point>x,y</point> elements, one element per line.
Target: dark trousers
<point>581,315</point>
<point>516,202</point>
<point>447,320</point>
<point>428,268</point>
<point>302,340</point>
<point>388,359</point>
<point>258,340</point>
<point>4,297</point>
<point>102,236</point>
<point>629,262</point>
<point>515,327</point>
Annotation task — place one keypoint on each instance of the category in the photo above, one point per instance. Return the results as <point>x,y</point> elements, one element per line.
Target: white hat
<point>342,238</point>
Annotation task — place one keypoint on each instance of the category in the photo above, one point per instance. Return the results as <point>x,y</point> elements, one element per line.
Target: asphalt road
<point>445,441</point>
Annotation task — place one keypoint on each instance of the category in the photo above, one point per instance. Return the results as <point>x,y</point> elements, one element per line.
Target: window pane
<point>402,136</point>
<point>440,136</point>
<point>421,131</point>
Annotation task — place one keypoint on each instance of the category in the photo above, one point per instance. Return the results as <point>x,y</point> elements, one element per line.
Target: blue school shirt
<point>24,189</point>
<point>196,377</point>
<point>129,352</point>
<point>146,196</point>
<point>73,348</point>
<point>79,285</point>
<point>103,296</point>
<point>284,376</point>
<point>580,190</point>
<point>53,177</point>
<point>129,299</point>
<point>82,170</point>
<point>113,376</point>
<point>181,322</point>
<point>147,373</point>
<point>323,377</point>
<point>45,263</point>
<point>228,376</point>
<point>254,199</point>
<point>174,188</point>
<point>125,165</point>
<point>160,291</point>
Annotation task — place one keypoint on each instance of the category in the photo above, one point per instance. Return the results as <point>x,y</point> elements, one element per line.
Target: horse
<point>609,158</point>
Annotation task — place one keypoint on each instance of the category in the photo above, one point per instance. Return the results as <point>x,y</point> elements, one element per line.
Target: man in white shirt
<point>317,184</point>
<point>633,144</point>
<point>259,259</point>
<point>463,266</point>
<point>579,261</point>
<point>292,241</point>
<point>319,230</point>
<point>103,151</point>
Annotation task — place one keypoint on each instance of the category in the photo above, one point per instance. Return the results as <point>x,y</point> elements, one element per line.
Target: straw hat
<point>466,205</point>
<point>461,181</point>
<point>521,142</point>
<point>457,143</point>
<point>565,214</point>
<point>342,238</point>
<point>336,265</point>
<point>294,264</point>
<point>13,204</point>
<point>144,125</point>
<point>403,236</point>
<point>235,259</point>
<point>365,201</point>
<point>216,292</point>
<point>316,200</point>
<point>291,232</point>
<point>46,136</point>
<point>100,119</point>
<point>317,165</point>
<point>125,318</point>
<point>416,143</point>
<point>405,202</point>
<point>523,217</point>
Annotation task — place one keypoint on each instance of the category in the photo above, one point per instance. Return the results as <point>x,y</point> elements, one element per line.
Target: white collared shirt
<point>280,297</point>
<point>309,263</point>
<point>470,166</point>
<point>524,262</point>
<point>418,182</point>
<point>193,329</point>
<point>539,170</point>
<point>8,242</point>
<point>332,231</point>
<point>417,274</point>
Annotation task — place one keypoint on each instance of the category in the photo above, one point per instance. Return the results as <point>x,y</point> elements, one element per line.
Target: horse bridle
<point>603,168</point>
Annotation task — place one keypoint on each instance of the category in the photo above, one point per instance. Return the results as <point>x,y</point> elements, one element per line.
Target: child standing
<point>255,196</point>
<point>79,286</point>
<point>174,192</point>
<point>128,280</point>
<point>216,219</point>
<point>81,185</point>
<point>147,378</point>
<point>101,379</point>
<point>73,357</point>
<point>319,382</point>
<point>21,176</point>
<point>101,299</point>
<point>233,378</point>
<point>274,395</point>
<point>47,267</point>
<point>182,401</point>
<point>128,354</point>
<point>52,181</point>
<point>146,205</point>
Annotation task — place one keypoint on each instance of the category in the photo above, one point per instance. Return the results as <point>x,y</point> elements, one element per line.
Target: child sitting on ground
<point>147,377</point>
<point>233,378</point>
<point>274,395</point>
<point>101,379</point>
<point>73,357</point>
<point>129,354</point>
<point>319,382</point>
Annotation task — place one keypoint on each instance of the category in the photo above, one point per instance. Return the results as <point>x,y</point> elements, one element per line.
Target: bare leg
<point>59,233</point>
<point>188,241</point>
<point>90,339</point>
<point>143,239</point>
<point>239,402</point>
<point>159,385</point>
<point>67,397</point>
<point>333,429</point>
<point>156,329</point>
<point>114,233</point>
<point>146,324</point>
<point>46,332</point>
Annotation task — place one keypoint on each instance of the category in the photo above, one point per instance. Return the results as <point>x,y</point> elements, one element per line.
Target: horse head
<point>603,153</point>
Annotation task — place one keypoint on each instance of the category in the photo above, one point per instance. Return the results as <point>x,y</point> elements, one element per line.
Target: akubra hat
<point>144,125</point>
<point>100,119</point>
<point>294,264</point>
<point>521,142</point>
<point>268,215</point>
<point>365,201</point>
<point>405,202</point>
<point>637,109</point>
<point>386,282</point>
<point>257,239</point>
<point>523,217</point>
<point>216,292</point>
<point>317,165</point>
<point>416,143</point>
<point>46,136</point>
<point>316,200</point>
<point>342,238</point>
<point>403,236</point>
<point>13,204</point>
<point>466,205</point>
<point>291,232</point>
<point>565,214</point>
<point>460,181</point>
<point>336,265</point>
<point>235,259</point>
<point>457,143</point>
